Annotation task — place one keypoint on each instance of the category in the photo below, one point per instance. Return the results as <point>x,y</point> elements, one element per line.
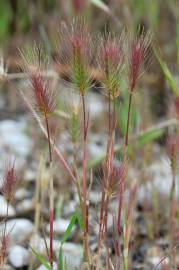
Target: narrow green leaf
<point>168,75</point>
<point>65,264</point>
<point>80,221</point>
<point>100,4</point>
<point>69,229</point>
<point>5,19</point>
<point>60,259</point>
<point>76,217</point>
<point>41,259</point>
<point>149,136</point>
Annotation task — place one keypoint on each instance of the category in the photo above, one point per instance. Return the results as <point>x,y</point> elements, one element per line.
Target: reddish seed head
<point>136,60</point>
<point>172,146</point>
<point>116,179</point>
<point>9,181</point>
<point>75,51</point>
<point>110,51</point>
<point>172,150</point>
<point>138,49</point>
<point>43,97</point>
<point>110,62</point>
<point>74,38</point>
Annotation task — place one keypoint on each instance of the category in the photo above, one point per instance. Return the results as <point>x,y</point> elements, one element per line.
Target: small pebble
<point>19,230</point>
<point>60,226</point>
<point>3,208</point>
<point>18,256</point>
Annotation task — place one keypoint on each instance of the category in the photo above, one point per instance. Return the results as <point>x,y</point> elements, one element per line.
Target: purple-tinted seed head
<point>42,95</point>
<point>9,181</point>
<point>172,150</point>
<point>138,49</point>
<point>75,51</point>
<point>110,62</point>
<point>172,146</point>
<point>110,52</point>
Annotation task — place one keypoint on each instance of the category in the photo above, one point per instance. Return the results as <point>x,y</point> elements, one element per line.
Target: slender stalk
<point>109,114</point>
<point>120,206</point>
<point>78,186</point>
<point>56,150</point>
<point>48,135</point>
<point>126,236</point>
<point>114,115</point>
<point>37,208</point>
<point>4,234</point>
<point>100,229</point>
<point>51,199</point>
<point>173,212</point>
<point>6,217</point>
<point>51,216</point>
<point>106,231</point>
<point>128,119</point>
<point>84,181</point>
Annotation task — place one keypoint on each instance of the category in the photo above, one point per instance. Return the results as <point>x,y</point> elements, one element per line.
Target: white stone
<point>3,208</point>
<point>25,206</point>
<point>12,135</point>
<point>69,208</point>
<point>72,252</point>
<point>19,229</point>
<point>22,193</point>
<point>158,178</point>
<point>30,175</point>
<point>18,256</point>
<point>42,267</point>
<point>96,104</point>
<point>95,197</point>
<point>60,226</point>
<point>97,145</point>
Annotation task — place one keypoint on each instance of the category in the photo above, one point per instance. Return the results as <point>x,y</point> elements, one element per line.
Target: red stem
<point>121,193</point>
<point>128,119</point>
<point>122,184</point>
<point>51,214</point>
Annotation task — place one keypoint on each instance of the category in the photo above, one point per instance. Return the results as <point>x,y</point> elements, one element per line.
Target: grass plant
<point>117,57</point>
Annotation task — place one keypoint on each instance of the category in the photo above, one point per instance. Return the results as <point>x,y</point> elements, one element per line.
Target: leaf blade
<point>41,259</point>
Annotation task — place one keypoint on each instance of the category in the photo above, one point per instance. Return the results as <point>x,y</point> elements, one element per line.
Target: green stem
<point>84,182</point>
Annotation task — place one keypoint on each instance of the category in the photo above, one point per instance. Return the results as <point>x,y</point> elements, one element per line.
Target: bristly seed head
<point>9,181</point>
<point>173,150</point>
<point>75,50</point>
<point>42,95</point>
<point>110,61</point>
<point>138,49</point>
